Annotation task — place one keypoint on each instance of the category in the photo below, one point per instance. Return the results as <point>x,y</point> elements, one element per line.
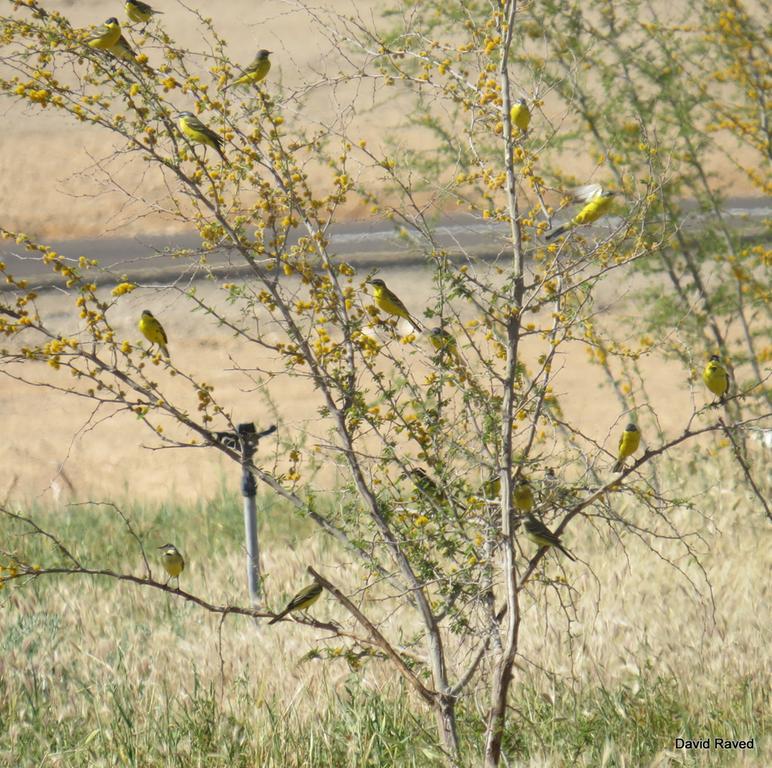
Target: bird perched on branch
<point>523,495</point>
<point>255,72</point>
<point>123,51</point>
<point>390,303</point>
<point>139,11</point>
<point>105,36</point>
<point>543,536</point>
<point>427,486</point>
<point>172,561</point>
<point>302,600</point>
<point>716,378</point>
<point>446,344</point>
<point>629,441</point>
<point>520,115</point>
<point>153,331</point>
<point>597,202</point>
<point>192,128</point>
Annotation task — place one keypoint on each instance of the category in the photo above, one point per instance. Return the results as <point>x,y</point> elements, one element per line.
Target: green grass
<point>71,720</point>
<point>95,672</point>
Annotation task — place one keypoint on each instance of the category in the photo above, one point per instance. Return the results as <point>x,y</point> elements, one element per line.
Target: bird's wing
<point>586,192</point>
<point>195,124</point>
<point>96,33</point>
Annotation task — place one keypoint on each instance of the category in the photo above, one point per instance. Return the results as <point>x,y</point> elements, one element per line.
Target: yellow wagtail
<point>629,441</point>
<point>391,303</point>
<point>302,600</point>
<point>255,72</point>
<point>153,331</point>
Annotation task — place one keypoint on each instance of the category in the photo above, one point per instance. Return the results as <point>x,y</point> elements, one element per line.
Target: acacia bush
<point>431,440</point>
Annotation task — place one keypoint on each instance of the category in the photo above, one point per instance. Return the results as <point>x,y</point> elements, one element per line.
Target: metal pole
<point>249,491</point>
<point>245,440</point>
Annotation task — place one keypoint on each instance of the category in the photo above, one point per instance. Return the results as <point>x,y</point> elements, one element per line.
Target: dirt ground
<point>55,444</point>
<point>48,159</point>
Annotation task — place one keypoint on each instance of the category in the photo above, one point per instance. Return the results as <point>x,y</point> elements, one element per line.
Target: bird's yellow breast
<point>629,442</point>
<point>108,37</point>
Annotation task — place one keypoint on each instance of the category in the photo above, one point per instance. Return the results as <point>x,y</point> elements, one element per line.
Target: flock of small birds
<point>109,38</point>
<point>715,377</point>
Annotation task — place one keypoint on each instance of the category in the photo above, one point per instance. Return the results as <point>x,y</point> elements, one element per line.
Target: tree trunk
<point>446,727</point>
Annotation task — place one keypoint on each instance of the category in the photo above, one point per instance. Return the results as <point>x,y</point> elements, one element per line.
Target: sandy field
<point>44,155</point>
<point>54,444</point>
<point>636,617</point>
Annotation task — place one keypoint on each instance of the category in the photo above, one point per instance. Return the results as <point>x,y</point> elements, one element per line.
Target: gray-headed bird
<point>543,536</point>
<point>716,378</point>
<point>139,11</point>
<point>105,36</point>
<point>597,203</point>
<point>629,441</point>
<point>427,486</point>
<point>191,127</point>
<point>255,72</point>
<point>302,600</point>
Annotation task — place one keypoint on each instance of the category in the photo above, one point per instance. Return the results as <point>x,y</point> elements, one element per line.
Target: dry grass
<point>100,673</point>
<point>94,672</point>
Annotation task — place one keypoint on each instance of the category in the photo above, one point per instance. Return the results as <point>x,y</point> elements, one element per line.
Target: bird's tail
<point>164,350</point>
<point>278,617</point>
<point>416,325</point>
<point>619,465</point>
<point>552,234</point>
<point>566,552</point>
<point>222,155</point>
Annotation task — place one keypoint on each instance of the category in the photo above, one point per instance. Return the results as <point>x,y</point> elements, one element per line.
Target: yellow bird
<point>491,488</point>
<point>153,331</point>
<point>302,600</point>
<point>172,561</point>
<point>390,303</point>
<point>523,495</point>
<point>716,378</point>
<point>543,536</point>
<point>139,11</point>
<point>629,441</point>
<point>191,127</point>
<point>520,115</point>
<point>427,487</point>
<point>104,36</point>
<point>445,344</point>
<point>123,51</point>
<point>598,203</point>
<point>255,72</point>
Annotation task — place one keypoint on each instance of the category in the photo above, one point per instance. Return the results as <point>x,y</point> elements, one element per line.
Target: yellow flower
<point>122,288</point>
